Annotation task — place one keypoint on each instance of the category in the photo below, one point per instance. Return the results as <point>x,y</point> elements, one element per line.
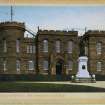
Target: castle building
<point>57,52</point>
<point>17,53</point>
<point>49,53</point>
<point>94,47</point>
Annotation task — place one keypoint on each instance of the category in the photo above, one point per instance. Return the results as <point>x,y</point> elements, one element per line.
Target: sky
<point>57,17</point>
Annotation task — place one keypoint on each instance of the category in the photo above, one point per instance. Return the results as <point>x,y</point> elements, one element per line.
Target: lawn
<point>45,87</point>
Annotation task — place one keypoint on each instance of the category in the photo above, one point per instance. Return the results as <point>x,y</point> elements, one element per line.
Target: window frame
<point>17,65</point>
<point>18,45</point>
<point>34,49</point>
<point>45,65</point>
<point>86,50</point>
<point>31,63</point>
<point>58,46</point>
<point>70,46</point>
<point>31,49</point>
<point>99,65</point>
<point>70,65</point>
<point>4,65</point>
<point>4,45</point>
<point>99,48</point>
<point>45,45</point>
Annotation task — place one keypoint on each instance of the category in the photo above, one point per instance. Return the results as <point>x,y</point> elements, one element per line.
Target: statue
<point>83,74</point>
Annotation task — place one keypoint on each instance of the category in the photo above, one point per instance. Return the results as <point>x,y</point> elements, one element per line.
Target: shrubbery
<point>31,77</point>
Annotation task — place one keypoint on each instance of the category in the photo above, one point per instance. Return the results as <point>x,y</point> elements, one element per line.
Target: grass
<point>45,87</point>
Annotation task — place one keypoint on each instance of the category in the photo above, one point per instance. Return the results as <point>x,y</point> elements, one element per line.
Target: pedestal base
<point>83,75</point>
<point>84,80</point>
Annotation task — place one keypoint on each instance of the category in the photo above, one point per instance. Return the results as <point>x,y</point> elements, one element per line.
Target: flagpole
<point>11,13</point>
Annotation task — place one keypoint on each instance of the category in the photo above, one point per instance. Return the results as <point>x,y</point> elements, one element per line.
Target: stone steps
<point>84,80</point>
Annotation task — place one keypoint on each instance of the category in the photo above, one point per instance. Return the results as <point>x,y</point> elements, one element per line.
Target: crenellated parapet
<point>58,32</point>
<point>13,24</point>
<point>95,32</point>
<point>28,40</point>
<point>12,30</point>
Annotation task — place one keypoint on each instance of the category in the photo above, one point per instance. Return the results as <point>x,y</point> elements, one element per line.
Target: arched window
<point>45,65</point>
<point>45,45</point>
<point>70,46</point>
<point>99,48</point>
<point>69,65</point>
<point>57,46</point>
<point>99,66</point>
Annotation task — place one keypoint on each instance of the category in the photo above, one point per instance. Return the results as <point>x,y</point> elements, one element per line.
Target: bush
<point>33,77</point>
<point>100,77</point>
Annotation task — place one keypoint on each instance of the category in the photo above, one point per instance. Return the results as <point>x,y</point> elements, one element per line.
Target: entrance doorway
<point>59,67</point>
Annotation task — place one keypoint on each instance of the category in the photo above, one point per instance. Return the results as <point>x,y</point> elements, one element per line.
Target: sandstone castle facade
<point>50,53</point>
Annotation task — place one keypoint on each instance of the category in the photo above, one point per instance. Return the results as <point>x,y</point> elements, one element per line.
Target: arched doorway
<point>59,67</point>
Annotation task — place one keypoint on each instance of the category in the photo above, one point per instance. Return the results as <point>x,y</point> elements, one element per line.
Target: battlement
<point>95,32</point>
<point>28,40</point>
<point>57,32</point>
<point>8,23</point>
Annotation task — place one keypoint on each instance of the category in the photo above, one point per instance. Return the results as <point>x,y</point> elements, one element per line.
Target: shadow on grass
<point>46,87</point>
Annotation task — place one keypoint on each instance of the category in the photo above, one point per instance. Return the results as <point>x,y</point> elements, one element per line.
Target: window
<point>45,65</point>
<point>34,49</point>
<point>31,65</point>
<point>4,65</point>
<point>86,50</point>
<point>18,65</point>
<point>99,47</point>
<point>28,48</point>
<point>99,66</point>
<point>5,45</point>
<point>69,65</point>
<point>70,46</point>
<point>45,46</point>
<point>31,49</point>
<point>57,45</point>
<point>18,45</point>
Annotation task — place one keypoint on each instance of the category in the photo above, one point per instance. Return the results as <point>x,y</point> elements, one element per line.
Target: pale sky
<point>57,17</point>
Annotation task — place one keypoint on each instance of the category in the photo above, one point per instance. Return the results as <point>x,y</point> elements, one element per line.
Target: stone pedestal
<point>83,74</point>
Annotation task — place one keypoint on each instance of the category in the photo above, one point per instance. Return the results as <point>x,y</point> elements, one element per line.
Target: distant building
<point>50,53</point>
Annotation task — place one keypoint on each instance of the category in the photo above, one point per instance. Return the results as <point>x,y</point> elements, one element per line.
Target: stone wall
<point>11,31</point>
<point>51,55</point>
<point>90,39</point>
